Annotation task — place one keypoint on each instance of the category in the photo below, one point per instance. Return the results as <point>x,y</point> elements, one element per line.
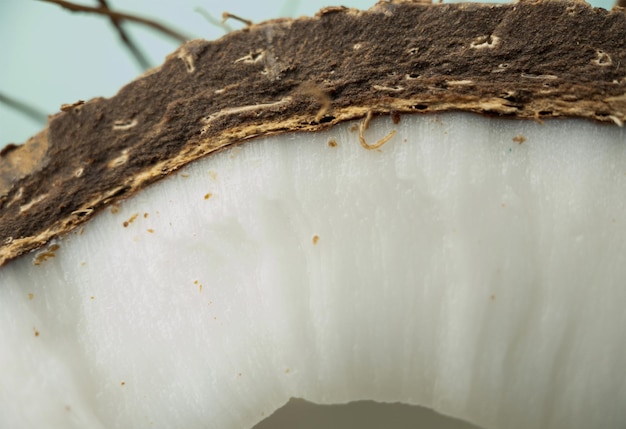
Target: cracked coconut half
<point>453,234</point>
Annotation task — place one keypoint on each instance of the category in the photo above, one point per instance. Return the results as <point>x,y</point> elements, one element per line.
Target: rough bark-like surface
<point>526,60</point>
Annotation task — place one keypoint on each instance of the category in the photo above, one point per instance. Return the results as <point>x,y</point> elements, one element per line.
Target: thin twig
<point>130,44</point>
<point>227,15</point>
<point>212,20</point>
<point>25,109</point>
<point>120,16</point>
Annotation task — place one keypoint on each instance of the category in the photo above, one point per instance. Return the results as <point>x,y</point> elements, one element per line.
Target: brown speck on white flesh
<point>48,253</point>
<point>130,220</point>
<point>475,263</point>
<point>519,139</point>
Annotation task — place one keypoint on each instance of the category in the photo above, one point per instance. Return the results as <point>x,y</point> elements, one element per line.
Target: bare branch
<point>120,16</point>
<point>227,15</point>
<point>27,110</point>
<point>212,20</point>
<point>130,44</point>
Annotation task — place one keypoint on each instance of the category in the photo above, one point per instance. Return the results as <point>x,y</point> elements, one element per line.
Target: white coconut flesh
<point>475,266</point>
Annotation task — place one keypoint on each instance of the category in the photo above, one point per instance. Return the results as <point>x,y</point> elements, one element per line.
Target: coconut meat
<point>472,265</point>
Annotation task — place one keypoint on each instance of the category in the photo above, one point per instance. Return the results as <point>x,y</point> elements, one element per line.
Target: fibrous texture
<point>471,265</point>
<point>524,60</point>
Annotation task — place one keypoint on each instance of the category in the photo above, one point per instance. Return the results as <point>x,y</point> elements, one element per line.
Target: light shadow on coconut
<point>301,414</point>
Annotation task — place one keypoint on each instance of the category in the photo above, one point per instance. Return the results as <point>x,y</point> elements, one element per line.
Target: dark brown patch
<point>395,117</point>
<point>7,149</point>
<point>332,143</point>
<point>530,59</point>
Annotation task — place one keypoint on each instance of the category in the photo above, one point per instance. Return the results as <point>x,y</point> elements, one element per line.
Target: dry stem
<point>120,16</point>
<point>30,111</point>
<point>227,15</point>
<point>132,47</point>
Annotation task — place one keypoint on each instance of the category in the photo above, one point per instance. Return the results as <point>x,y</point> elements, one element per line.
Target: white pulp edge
<point>455,268</point>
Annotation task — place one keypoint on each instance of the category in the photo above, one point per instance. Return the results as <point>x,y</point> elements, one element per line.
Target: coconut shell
<point>527,60</point>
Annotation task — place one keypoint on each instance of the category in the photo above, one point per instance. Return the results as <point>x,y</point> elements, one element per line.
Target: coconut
<point>471,262</point>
